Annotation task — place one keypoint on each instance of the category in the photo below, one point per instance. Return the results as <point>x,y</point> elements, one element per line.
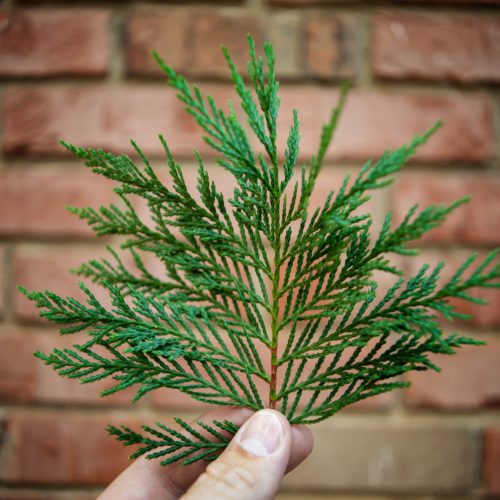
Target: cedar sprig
<point>254,273</point>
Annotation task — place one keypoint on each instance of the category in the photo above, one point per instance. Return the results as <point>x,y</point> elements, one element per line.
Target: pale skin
<point>251,468</point>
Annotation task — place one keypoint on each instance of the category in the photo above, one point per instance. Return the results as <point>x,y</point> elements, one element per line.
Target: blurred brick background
<point>82,71</point>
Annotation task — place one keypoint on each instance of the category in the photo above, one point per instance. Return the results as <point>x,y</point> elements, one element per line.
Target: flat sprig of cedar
<point>258,291</point>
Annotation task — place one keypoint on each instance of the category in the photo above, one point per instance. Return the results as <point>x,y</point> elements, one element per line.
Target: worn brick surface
<point>75,73</point>
<point>164,31</point>
<point>469,380</point>
<point>40,267</point>
<point>45,448</point>
<point>105,117</point>
<point>475,222</point>
<point>378,456</point>
<point>2,279</point>
<point>437,47</point>
<point>372,122</point>
<point>54,42</point>
<point>329,47</point>
<point>492,460</point>
<point>170,398</point>
<point>26,379</point>
<point>191,44</point>
<point>211,30</point>
<point>33,200</point>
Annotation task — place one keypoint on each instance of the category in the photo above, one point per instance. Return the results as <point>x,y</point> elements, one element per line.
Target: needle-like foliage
<point>262,303</point>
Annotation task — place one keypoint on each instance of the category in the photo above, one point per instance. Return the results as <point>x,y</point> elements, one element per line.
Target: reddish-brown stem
<point>272,382</point>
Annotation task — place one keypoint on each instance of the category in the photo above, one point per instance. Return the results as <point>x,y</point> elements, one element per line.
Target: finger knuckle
<point>236,477</point>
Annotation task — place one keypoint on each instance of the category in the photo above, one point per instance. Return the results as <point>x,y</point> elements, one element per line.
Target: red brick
<point>437,47</point>
<point>54,42</point>
<point>492,460</point>
<point>36,118</point>
<point>172,399</point>
<point>331,178</point>
<point>191,45</point>
<point>475,222</point>
<point>40,267</point>
<point>26,379</point>
<point>372,123</point>
<point>212,30</point>
<point>328,48</point>
<point>483,316</point>
<point>2,279</point>
<point>33,200</point>
<point>164,31</point>
<point>469,380</point>
<point>61,448</point>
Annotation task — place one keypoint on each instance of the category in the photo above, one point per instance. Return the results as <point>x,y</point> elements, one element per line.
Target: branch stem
<point>272,383</point>
<point>275,322</point>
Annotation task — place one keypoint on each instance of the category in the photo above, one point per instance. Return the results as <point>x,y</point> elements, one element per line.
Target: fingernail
<point>262,434</point>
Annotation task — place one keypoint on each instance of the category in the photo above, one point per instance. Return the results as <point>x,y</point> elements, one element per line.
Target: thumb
<point>252,466</point>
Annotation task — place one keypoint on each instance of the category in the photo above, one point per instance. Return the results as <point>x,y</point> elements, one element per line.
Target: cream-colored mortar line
<point>63,492</point>
<point>496,129</point>
<point>433,87</point>
<point>463,8</point>
<point>66,492</point>
<point>115,77</point>
<point>347,419</point>
<point>261,5</point>
<point>290,494</point>
<point>7,320</point>
<point>116,41</point>
<point>361,26</point>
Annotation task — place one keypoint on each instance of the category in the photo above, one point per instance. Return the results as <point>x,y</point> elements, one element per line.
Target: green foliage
<point>251,274</point>
<point>189,446</point>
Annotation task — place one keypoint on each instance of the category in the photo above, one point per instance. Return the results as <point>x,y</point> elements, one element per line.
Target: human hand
<point>251,467</point>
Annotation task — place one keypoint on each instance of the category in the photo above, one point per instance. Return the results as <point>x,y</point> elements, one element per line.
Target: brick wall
<point>82,72</point>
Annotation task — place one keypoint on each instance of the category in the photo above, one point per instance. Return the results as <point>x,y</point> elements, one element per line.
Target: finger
<point>302,445</point>
<point>146,479</point>
<point>252,466</point>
